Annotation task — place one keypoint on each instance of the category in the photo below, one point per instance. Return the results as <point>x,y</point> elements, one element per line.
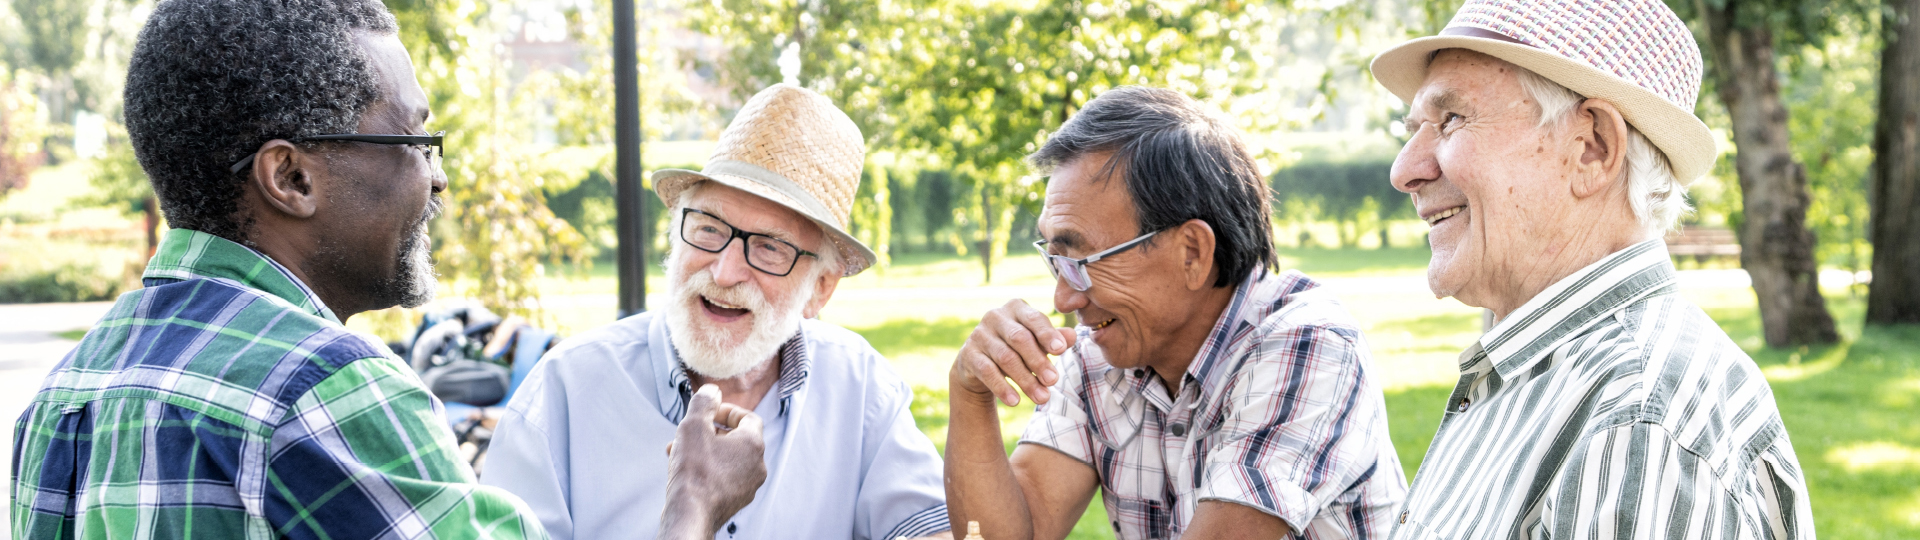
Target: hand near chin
<point>1013,342</point>
<point>714,466</point>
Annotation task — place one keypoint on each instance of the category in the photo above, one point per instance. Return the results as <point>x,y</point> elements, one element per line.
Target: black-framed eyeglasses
<point>709,233</point>
<point>428,145</point>
<point>1074,271</point>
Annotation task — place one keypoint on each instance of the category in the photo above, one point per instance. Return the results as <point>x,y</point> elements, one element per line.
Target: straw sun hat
<point>791,146</point>
<point>1635,54</point>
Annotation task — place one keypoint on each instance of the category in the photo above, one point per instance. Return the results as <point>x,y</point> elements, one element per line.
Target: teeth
<point>1450,212</point>
<point>1103,324</point>
<point>723,305</point>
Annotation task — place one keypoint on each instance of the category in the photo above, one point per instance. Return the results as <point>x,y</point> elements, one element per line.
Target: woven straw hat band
<point>791,146</point>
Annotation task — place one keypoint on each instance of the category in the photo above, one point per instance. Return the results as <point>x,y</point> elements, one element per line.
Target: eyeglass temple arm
<point>434,139</point>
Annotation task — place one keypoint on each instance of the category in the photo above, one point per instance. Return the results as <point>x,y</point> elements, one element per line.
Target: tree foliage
<point>497,229</point>
<point>975,86</point>
<point>22,127</point>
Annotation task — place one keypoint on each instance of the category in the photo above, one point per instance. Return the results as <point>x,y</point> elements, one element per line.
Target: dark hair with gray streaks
<point>212,80</point>
<point>1179,163</point>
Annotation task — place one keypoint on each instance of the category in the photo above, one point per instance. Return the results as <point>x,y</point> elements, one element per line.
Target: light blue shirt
<point>584,440</point>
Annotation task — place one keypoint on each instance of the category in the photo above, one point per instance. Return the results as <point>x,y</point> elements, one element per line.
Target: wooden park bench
<point>1703,243</point>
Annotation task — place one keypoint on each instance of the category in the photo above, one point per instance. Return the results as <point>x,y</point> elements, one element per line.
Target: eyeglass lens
<point>1067,269</point>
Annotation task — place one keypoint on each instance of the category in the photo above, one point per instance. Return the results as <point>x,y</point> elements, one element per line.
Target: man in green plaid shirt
<point>285,141</point>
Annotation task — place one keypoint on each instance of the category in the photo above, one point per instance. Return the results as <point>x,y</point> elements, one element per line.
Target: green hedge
<point>74,282</point>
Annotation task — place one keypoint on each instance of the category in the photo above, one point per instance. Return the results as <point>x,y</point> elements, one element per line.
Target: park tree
<point>1740,39</point>
<point>497,230</point>
<point>55,33</point>
<point>976,86</point>
<point>117,182</point>
<point>21,131</point>
<point>1895,294</point>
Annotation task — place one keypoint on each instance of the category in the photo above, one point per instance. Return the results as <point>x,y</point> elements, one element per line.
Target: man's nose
<point>1065,299</point>
<point>1416,165</point>
<point>731,267</point>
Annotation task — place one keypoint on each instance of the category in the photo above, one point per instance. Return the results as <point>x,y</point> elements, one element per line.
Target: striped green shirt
<point>1609,407</point>
<point>224,400</point>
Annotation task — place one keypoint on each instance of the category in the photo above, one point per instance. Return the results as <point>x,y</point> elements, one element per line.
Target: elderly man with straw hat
<point>1550,146</point>
<point>759,244</point>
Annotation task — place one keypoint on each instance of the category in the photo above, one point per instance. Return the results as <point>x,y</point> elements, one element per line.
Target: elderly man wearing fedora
<point>1550,146</point>
<point>759,243</point>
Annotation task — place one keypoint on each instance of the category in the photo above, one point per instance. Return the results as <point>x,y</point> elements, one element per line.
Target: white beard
<point>709,350</point>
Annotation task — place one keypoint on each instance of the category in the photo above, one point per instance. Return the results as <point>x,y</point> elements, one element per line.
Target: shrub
<point>72,282</point>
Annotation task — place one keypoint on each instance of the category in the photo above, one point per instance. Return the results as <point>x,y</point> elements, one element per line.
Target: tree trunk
<point>151,207</point>
<point>1775,246</point>
<point>1895,191</point>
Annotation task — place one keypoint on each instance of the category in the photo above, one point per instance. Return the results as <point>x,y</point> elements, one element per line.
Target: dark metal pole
<point>629,205</point>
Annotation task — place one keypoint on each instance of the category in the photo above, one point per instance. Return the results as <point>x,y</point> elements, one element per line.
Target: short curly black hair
<point>212,80</point>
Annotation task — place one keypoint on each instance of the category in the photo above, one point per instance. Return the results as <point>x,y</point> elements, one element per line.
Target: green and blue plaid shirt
<point>225,400</point>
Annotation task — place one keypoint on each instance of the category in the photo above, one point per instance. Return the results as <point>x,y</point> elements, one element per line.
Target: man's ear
<point>1195,241</point>
<point>284,177</point>
<point>1604,154</point>
<point>823,288</point>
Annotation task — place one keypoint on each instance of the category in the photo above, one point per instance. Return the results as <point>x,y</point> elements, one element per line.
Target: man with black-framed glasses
<point>286,141</point>
<point>758,244</point>
<point>1203,394</point>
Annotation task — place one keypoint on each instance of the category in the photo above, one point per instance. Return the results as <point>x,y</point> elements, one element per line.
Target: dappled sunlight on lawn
<point>1877,456</point>
<point>1800,367</point>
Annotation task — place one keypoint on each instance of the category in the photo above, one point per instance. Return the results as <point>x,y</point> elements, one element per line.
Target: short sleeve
<point>1298,426</point>
<point>366,454</point>
<point>1062,424</point>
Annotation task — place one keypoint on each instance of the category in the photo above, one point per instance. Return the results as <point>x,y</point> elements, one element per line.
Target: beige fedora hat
<point>1636,54</point>
<point>791,146</point>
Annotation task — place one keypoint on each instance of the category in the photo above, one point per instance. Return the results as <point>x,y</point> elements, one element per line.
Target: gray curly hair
<point>212,80</point>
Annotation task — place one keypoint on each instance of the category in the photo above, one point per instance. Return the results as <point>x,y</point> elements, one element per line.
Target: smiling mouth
<point>722,308</point>
<point>1444,214</point>
<point>1105,323</point>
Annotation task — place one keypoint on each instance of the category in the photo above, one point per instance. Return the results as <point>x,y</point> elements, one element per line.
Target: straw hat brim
<point>668,183</point>
<point>1686,141</point>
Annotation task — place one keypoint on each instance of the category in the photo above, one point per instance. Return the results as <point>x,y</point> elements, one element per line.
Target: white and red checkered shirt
<point>1277,412</point>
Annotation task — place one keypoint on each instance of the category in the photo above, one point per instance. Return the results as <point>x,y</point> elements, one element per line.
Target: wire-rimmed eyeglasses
<point>1074,271</point>
<point>428,145</point>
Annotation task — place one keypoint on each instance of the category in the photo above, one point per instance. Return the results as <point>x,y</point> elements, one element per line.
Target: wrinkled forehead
<point>1458,77</point>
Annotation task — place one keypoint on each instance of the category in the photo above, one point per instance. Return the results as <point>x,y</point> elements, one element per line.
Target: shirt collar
<point>796,359</point>
<point>1571,305</point>
<point>187,254</point>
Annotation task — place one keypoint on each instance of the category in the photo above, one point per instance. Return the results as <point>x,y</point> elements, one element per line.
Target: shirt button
<point>1463,404</point>
<point>1116,526</point>
<point>731,528</point>
<point>1179,430</point>
<point>1403,516</point>
<point>1142,373</point>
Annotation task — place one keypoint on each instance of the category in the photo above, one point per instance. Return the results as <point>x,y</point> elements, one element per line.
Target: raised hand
<point>714,465</point>
<point>1012,341</point>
